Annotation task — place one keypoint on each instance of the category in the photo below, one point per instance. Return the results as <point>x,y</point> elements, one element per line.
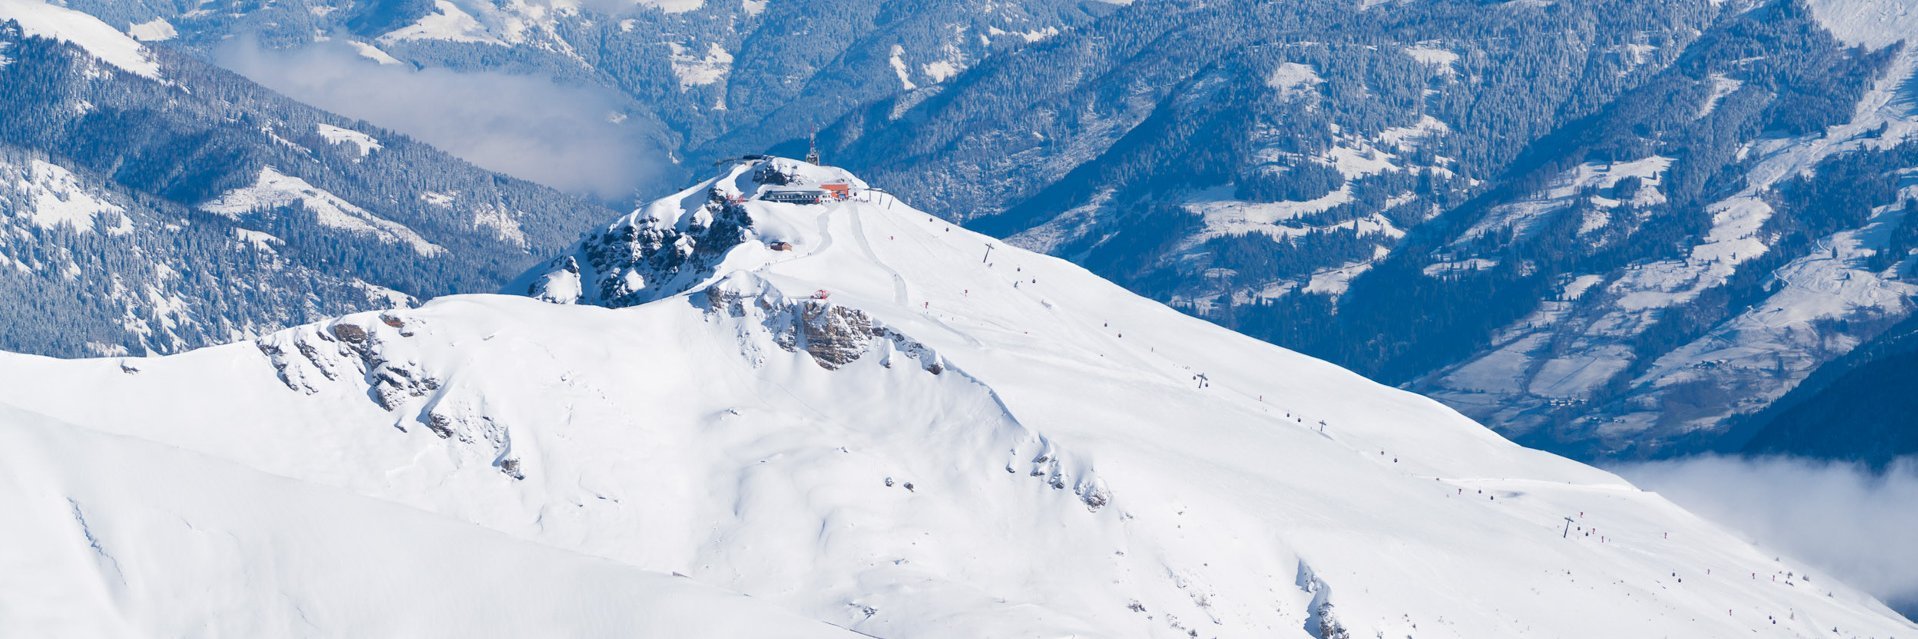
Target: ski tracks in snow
<point>900,294</point>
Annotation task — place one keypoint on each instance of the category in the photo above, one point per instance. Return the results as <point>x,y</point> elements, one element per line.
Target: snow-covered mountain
<point>1598,266</point>
<point>849,411</point>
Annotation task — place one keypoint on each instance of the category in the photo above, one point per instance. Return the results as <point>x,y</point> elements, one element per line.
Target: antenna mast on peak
<point>812,147</point>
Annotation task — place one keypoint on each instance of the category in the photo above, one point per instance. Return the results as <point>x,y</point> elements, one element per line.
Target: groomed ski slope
<point>951,444</point>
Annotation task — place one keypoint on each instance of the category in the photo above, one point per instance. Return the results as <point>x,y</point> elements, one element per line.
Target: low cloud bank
<point>567,137</point>
<point>1859,526</point>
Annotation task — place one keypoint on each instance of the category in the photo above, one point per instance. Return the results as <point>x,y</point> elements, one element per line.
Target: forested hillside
<point>187,207</point>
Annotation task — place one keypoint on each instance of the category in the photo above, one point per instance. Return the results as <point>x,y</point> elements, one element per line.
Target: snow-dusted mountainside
<point>734,74</point>
<point>152,203</point>
<point>38,18</point>
<point>1804,258</point>
<point>1610,245</point>
<point>856,413</point>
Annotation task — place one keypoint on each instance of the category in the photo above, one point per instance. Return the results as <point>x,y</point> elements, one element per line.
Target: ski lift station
<point>832,192</point>
<point>794,196</point>
<point>816,193</point>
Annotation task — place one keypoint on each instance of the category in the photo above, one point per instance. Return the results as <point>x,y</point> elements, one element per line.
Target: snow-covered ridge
<point>859,414</point>
<point>37,18</point>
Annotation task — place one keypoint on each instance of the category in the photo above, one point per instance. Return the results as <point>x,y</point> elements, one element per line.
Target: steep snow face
<point>37,18</point>
<point>863,415</point>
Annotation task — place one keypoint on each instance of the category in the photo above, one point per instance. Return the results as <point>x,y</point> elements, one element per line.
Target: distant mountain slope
<point>857,413</point>
<point>177,205</point>
<point>726,77</point>
<point>98,270</point>
<point>1608,244</point>
<point>1687,266</point>
<point>1857,408</point>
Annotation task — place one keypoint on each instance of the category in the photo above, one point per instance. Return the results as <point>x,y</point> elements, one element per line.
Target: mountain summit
<point>809,393</point>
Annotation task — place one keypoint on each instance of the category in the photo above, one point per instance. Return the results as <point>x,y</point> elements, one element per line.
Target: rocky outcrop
<point>310,357</point>
<point>307,356</point>
<point>467,424</point>
<point>641,258</point>
<point>834,335</point>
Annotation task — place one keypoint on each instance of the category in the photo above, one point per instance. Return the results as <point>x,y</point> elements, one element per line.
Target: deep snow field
<point>897,427</point>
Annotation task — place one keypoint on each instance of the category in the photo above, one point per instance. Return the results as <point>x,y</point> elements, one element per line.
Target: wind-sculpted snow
<point>898,427</point>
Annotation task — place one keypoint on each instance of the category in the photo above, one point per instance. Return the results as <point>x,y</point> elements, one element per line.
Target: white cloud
<point>525,126</point>
<point>1843,518</point>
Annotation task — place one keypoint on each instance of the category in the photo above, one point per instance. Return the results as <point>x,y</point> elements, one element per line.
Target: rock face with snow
<point>669,246</point>
<point>894,426</point>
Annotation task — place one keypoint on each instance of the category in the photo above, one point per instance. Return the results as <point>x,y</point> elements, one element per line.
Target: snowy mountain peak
<point>862,415</point>
<point>674,244</point>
